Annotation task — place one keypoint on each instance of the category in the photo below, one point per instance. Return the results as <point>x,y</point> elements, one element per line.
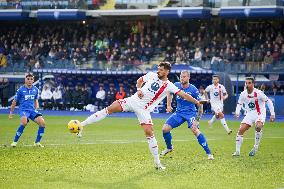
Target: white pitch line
<point>132,141</point>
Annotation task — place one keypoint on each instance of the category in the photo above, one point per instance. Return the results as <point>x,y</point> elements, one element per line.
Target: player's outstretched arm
<point>169,102</point>
<point>13,105</point>
<point>271,109</point>
<point>188,98</point>
<point>139,84</point>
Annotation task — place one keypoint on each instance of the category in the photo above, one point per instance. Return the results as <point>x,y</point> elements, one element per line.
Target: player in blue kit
<point>27,98</point>
<point>185,112</point>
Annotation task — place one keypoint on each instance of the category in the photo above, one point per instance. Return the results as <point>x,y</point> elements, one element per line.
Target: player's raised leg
<point>20,130</point>
<point>153,144</point>
<point>212,120</point>
<point>201,139</point>
<point>41,127</point>
<point>258,135</point>
<point>100,115</point>
<point>239,138</point>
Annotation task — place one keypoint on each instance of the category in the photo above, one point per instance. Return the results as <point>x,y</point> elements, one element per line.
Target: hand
<point>198,104</point>
<point>272,118</point>
<point>140,94</point>
<point>237,116</point>
<point>10,115</point>
<point>169,109</point>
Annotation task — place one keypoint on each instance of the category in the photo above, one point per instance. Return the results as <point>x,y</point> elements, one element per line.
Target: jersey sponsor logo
<point>155,86</point>
<point>251,105</point>
<point>29,97</point>
<point>216,93</point>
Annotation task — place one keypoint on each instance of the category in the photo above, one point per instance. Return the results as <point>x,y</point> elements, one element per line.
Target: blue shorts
<point>177,119</point>
<point>30,114</point>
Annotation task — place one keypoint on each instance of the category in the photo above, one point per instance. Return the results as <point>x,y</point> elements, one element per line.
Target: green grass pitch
<point>114,154</point>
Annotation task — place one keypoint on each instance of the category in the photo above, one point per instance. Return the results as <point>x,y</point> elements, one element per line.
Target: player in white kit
<point>254,101</point>
<point>143,102</point>
<point>217,94</point>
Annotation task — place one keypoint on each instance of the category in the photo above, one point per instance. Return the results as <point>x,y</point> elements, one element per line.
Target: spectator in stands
<point>120,94</point>
<point>85,96</point>
<point>3,59</point>
<point>267,61</point>
<point>197,57</point>
<point>110,96</point>
<point>46,97</point>
<point>57,99</point>
<point>77,101</point>
<point>100,97</point>
<point>4,91</point>
<point>68,98</point>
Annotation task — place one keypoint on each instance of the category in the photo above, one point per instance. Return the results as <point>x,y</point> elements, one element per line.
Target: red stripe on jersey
<point>256,103</point>
<point>160,91</point>
<point>177,92</point>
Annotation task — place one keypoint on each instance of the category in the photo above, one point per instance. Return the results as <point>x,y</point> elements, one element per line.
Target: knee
<point>148,131</point>
<point>221,115</point>
<point>194,128</point>
<point>166,128</point>
<point>41,122</point>
<point>24,122</point>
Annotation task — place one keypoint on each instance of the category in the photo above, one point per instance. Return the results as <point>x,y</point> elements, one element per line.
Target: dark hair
<point>29,75</point>
<point>216,76</point>
<point>250,78</point>
<point>166,65</point>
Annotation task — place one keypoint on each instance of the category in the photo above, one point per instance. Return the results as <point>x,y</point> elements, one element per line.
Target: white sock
<point>153,146</point>
<point>98,116</point>
<point>258,136</point>
<point>224,123</point>
<point>239,142</point>
<point>213,119</point>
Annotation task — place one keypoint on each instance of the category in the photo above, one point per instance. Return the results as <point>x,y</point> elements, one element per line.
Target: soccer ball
<point>74,126</point>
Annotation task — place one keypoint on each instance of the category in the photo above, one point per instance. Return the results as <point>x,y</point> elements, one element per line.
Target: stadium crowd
<point>125,44</point>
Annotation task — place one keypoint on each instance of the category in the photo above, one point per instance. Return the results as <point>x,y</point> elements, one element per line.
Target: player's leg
<point>200,138</point>
<point>172,122</point>
<point>223,122</point>
<point>20,130</point>
<point>258,136</point>
<point>212,120</point>
<point>41,127</point>
<point>245,125</point>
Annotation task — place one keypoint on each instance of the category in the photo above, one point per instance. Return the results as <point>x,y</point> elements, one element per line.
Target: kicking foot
<point>252,152</point>
<point>37,144</point>
<point>236,154</point>
<point>80,133</point>
<point>13,144</point>
<point>210,157</point>
<point>166,151</point>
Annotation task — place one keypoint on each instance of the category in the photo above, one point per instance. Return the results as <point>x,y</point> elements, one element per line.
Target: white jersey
<point>154,91</point>
<point>254,102</point>
<point>216,94</point>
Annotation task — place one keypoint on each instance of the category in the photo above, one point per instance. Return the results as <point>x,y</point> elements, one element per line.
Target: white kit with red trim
<point>216,96</point>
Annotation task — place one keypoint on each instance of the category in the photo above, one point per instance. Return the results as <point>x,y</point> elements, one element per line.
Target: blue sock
<point>19,133</point>
<point>39,134</point>
<point>202,141</point>
<point>168,139</point>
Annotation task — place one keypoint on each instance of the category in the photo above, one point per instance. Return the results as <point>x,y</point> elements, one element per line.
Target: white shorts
<point>216,108</point>
<point>252,117</point>
<point>130,105</point>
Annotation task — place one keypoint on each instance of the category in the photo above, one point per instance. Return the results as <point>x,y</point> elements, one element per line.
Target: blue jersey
<point>26,97</point>
<point>183,106</point>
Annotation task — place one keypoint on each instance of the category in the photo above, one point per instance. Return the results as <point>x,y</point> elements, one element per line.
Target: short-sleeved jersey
<point>216,93</point>
<point>26,97</point>
<point>184,106</point>
<point>254,102</point>
<point>154,90</point>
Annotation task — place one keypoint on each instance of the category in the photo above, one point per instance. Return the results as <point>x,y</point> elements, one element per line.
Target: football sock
<point>98,116</point>
<point>203,143</point>
<point>213,119</point>
<point>153,146</point>
<point>258,136</point>
<point>168,139</point>
<point>19,133</point>
<point>40,133</point>
<point>224,123</point>
<point>239,141</point>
